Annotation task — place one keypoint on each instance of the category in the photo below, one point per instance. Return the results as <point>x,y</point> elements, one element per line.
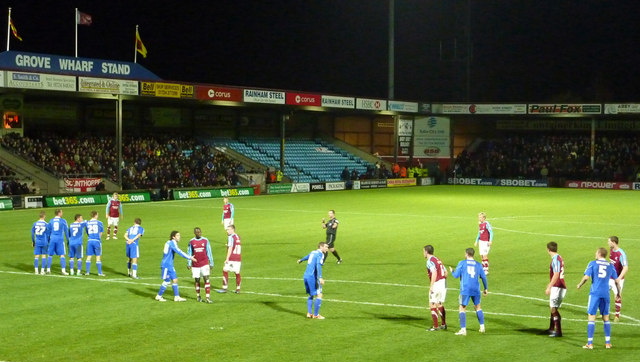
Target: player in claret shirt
<point>228,212</point>
<point>618,258</point>
<point>233,260</point>
<point>484,239</point>
<point>437,288</point>
<point>556,289</point>
<point>113,211</point>
<point>200,248</point>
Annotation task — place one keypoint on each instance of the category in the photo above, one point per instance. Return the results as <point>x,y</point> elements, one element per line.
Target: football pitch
<point>375,303</point>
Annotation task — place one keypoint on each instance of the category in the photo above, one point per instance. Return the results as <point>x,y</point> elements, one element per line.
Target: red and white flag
<point>83,18</point>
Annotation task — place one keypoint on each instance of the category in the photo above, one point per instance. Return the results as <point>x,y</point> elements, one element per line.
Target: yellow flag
<point>14,30</point>
<point>140,48</point>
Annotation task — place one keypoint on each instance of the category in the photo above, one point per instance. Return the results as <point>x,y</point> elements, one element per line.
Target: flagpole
<point>135,46</point>
<point>75,20</point>
<point>8,28</point>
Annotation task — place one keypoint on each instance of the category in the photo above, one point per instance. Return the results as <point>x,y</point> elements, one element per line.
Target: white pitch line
<point>131,281</point>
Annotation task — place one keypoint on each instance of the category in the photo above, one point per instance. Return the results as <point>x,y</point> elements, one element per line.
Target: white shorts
<point>227,222</point>
<point>232,266</point>
<point>439,292</point>
<point>556,296</point>
<point>612,286</point>
<point>113,221</point>
<point>483,247</point>
<point>203,271</point>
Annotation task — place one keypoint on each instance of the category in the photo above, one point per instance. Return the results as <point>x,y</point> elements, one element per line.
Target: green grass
<point>375,303</point>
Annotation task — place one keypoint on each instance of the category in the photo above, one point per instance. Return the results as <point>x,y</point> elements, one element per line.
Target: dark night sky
<point>522,50</point>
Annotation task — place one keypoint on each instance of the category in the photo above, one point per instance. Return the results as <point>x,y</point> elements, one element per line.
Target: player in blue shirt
<point>132,236</point>
<point>58,232</point>
<point>76,234</point>
<point>168,270</point>
<point>313,280</point>
<point>95,228</point>
<point>40,240</point>
<point>600,271</point>
<point>470,272</point>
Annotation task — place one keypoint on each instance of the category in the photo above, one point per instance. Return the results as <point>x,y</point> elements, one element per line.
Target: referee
<point>332,228</point>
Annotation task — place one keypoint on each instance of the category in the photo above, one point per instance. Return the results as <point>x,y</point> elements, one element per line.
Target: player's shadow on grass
<point>22,267</point>
<point>278,308</point>
<point>145,293</point>
<point>402,318</point>
<point>112,271</point>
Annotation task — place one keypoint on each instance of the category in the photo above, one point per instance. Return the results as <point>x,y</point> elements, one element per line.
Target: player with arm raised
<point>113,212</point>
<point>59,231</point>
<point>437,288</point>
<point>618,258</point>
<point>200,248</point>
<point>470,272</point>
<point>132,236</point>
<point>313,280</point>
<point>39,241</point>
<point>77,230</point>
<point>168,271</point>
<point>484,240</point>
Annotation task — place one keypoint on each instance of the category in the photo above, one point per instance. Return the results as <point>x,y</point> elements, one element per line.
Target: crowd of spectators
<point>616,158</point>
<point>148,163</point>
<point>10,184</point>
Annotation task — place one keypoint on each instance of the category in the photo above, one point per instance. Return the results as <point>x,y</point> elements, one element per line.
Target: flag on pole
<point>140,48</point>
<point>83,18</point>
<point>14,30</point>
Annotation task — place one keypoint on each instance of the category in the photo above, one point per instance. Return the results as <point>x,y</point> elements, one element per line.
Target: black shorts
<point>331,238</point>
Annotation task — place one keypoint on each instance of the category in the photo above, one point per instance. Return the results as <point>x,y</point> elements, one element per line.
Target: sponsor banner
<point>300,187</point>
<point>279,188</point>
<point>355,185</point>
<point>263,96</point>
<point>373,184</point>
<point>565,108</point>
<point>371,104</point>
<point>636,185</point>
<point>51,201</point>
<point>6,204</point>
<point>107,85</point>
<point>401,182</point>
<point>424,108</point>
<point>81,184</point>
<point>480,108</point>
<point>318,186</point>
<point>167,90</point>
<point>403,106</point>
<point>496,182</point>
<point>568,124</point>
<point>599,185</point>
<point>304,99</point>
<point>33,62</point>
<point>41,81</point>
<point>432,137</point>
<point>622,108</point>
<point>335,186</point>
<point>426,181</point>
<point>214,93</point>
<point>210,193</point>
<point>338,102</point>
<point>132,197</point>
<point>405,132</point>
<point>33,201</point>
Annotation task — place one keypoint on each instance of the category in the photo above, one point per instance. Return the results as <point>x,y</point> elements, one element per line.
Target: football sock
<point>463,320</point>
<point>79,265</point>
<point>591,329</point>
<point>335,253</point>
<point>115,230</point>
<point>551,322</point>
<point>163,287</point>
<point>197,286</point>
<point>207,288</point>
<point>556,322</point>
<point>63,263</point>
<point>225,279</point>
<point>618,306</point>
<point>35,264</point>
<point>176,291</point>
<point>309,305</point>
<point>87,267</point>
<point>49,262</point>
<point>129,266</point>
<point>238,281</point>
<point>607,332</point>
<point>434,317</point>
<point>108,230</point>
<point>134,270</point>
<point>99,266</point>
<point>480,315</point>
<point>443,314</point>
<point>318,304</point>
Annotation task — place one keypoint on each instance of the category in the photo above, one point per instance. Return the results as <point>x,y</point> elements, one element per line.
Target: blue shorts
<point>56,248</point>
<point>133,251</point>
<point>168,274</point>
<point>94,247</point>
<point>464,299</point>
<point>75,251</point>
<point>312,286</point>
<point>596,303</point>
<point>40,250</point>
